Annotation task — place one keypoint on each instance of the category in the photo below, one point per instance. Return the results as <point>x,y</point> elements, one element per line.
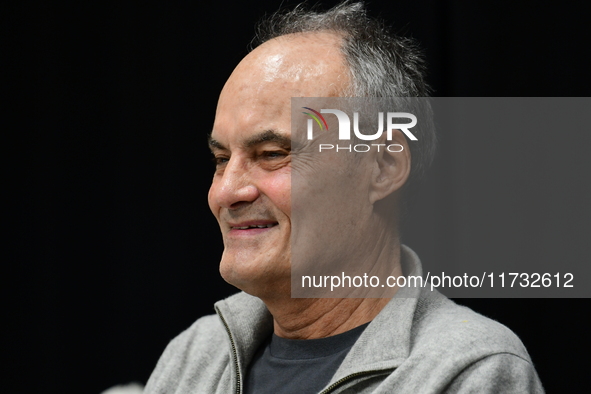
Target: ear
<point>391,167</point>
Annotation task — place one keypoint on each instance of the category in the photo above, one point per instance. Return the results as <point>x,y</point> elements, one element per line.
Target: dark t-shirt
<point>286,366</point>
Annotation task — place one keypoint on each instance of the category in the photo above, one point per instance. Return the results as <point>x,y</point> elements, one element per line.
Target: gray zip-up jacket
<point>421,342</point>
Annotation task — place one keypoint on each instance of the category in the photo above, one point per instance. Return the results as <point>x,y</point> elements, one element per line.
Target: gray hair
<point>381,63</point>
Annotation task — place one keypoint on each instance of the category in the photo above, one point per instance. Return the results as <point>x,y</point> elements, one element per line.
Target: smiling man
<point>275,201</point>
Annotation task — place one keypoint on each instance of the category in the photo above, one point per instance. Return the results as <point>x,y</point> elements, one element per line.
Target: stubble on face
<point>249,190</point>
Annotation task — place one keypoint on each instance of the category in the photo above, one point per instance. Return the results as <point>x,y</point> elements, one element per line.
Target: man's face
<point>250,192</point>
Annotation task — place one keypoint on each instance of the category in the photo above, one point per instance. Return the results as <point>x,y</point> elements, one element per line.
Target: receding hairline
<point>328,37</point>
<point>338,35</point>
<point>335,38</point>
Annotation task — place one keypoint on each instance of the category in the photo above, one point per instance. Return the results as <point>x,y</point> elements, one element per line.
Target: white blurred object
<point>132,388</point>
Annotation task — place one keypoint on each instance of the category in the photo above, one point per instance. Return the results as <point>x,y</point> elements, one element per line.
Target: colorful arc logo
<point>315,115</point>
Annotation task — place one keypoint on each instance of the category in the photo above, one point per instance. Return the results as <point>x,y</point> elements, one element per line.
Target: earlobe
<point>391,167</point>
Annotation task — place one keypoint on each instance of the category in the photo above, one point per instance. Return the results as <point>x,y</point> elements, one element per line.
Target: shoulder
<point>442,325</point>
<point>193,353</point>
<point>206,332</point>
<point>459,349</point>
<point>200,358</point>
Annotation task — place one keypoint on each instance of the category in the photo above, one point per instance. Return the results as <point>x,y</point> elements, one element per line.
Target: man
<point>276,203</point>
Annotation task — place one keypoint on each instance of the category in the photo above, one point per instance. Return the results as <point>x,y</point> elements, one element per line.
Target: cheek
<point>211,200</point>
<point>278,190</point>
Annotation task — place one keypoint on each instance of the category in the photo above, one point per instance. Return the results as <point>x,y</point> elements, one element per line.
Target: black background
<point>112,250</point>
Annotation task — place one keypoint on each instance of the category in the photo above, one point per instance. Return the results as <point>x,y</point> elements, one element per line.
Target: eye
<point>220,160</point>
<point>274,154</point>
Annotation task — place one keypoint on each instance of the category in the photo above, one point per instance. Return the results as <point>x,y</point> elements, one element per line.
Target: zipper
<point>234,353</point>
<point>328,389</point>
<point>349,377</point>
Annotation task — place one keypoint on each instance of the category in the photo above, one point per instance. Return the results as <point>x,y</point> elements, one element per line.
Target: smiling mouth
<point>253,226</point>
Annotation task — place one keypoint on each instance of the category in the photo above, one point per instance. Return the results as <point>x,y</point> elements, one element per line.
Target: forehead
<point>257,96</point>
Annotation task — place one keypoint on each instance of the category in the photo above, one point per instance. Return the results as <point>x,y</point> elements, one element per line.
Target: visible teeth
<point>256,226</point>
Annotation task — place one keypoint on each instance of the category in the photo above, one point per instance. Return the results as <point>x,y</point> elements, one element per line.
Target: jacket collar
<point>249,324</point>
<point>384,344</point>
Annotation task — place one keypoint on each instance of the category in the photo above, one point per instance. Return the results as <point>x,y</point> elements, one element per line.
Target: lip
<point>251,227</point>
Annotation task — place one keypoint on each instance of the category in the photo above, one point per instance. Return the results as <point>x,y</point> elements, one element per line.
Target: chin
<point>254,280</point>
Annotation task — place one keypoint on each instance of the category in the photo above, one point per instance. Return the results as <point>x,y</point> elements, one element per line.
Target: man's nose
<point>236,187</point>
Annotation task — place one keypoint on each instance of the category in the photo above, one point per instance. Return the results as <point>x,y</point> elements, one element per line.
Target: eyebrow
<point>257,139</point>
<point>214,144</point>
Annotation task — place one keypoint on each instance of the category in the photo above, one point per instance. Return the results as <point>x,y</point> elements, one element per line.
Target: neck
<point>312,318</point>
